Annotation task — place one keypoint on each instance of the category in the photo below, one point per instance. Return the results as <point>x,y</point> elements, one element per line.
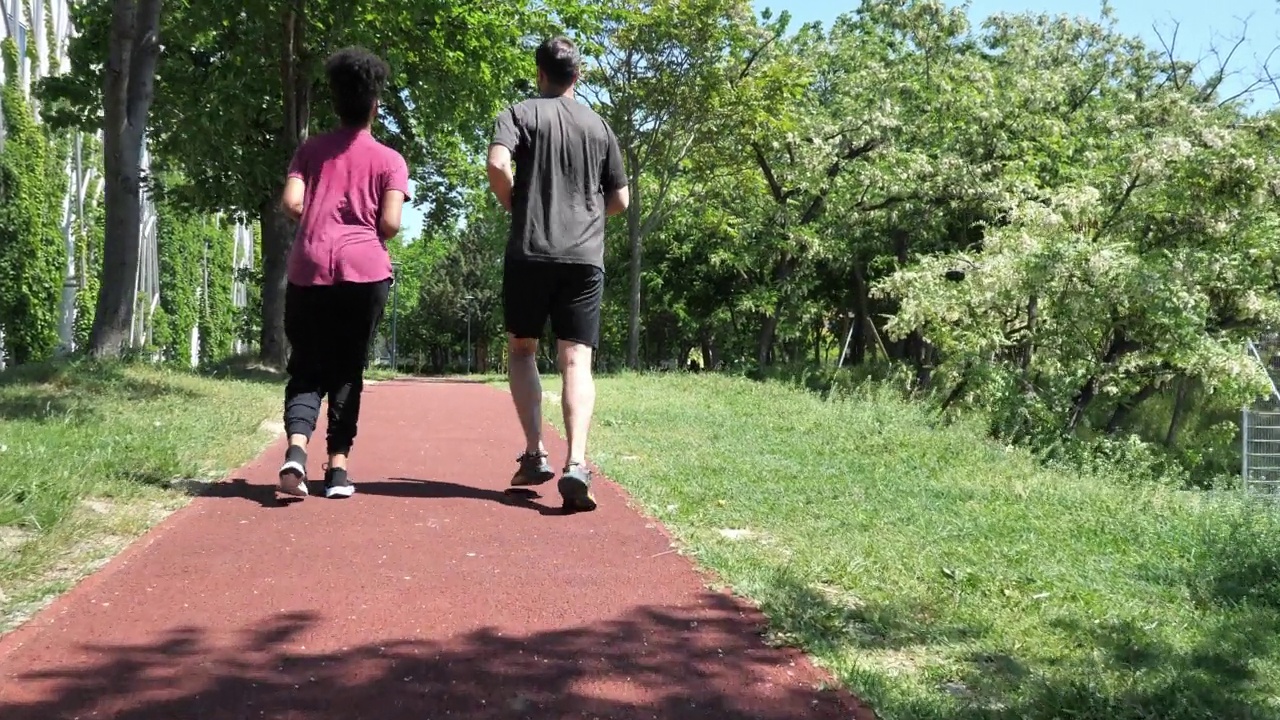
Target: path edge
<point>47,617</point>
<point>825,680</point>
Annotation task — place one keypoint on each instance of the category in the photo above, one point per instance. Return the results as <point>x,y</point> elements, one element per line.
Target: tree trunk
<point>1179,412</point>
<point>817,341</point>
<point>769,328</point>
<point>70,267</point>
<point>710,354</point>
<point>277,229</point>
<point>1119,346</point>
<point>1124,410</point>
<point>1028,344</point>
<point>277,237</point>
<point>128,89</point>
<point>862,316</point>
<point>633,291</point>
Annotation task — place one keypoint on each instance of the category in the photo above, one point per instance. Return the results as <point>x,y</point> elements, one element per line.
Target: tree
<point>1133,251</point>
<point>660,78</point>
<point>32,254</point>
<point>241,86</point>
<point>128,91</point>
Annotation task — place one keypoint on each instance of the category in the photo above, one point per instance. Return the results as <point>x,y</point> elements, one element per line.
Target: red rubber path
<point>430,594</point>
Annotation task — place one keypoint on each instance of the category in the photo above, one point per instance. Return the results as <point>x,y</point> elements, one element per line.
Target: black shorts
<point>568,293</point>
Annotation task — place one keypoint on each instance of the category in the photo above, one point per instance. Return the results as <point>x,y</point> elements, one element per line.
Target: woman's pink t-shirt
<point>346,173</point>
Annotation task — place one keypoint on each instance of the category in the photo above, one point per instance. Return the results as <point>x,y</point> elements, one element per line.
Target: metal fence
<point>1260,426</point>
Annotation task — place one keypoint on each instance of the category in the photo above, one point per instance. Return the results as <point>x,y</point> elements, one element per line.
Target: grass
<point>89,456</point>
<point>938,575</point>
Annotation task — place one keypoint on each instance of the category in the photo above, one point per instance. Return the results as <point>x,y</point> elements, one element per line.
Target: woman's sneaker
<point>575,488</point>
<point>337,484</point>
<point>293,473</point>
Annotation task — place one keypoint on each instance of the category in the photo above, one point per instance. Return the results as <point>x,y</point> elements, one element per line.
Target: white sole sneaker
<point>293,479</point>
<point>339,491</point>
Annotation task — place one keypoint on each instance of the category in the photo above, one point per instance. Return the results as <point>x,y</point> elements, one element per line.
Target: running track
<point>428,595</point>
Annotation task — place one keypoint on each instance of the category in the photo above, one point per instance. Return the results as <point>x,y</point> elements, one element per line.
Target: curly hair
<point>357,78</point>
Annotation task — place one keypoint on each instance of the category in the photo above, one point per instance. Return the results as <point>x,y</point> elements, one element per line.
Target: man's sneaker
<point>534,470</point>
<point>337,484</point>
<point>293,473</point>
<point>575,488</point>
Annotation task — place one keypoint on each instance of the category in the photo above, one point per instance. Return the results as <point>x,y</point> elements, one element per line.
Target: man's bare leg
<point>579,397</point>
<point>526,393</point>
<point>579,401</point>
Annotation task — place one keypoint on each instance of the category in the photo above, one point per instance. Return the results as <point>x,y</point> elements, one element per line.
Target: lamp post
<point>468,299</point>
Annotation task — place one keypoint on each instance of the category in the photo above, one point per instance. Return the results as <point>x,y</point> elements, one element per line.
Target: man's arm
<point>617,194</point>
<point>617,201</point>
<point>501,179</point>
<point>506,138</point>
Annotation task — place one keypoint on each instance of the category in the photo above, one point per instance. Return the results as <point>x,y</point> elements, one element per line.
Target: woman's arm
<point>291,200</point>
<point>389,214</point>
<point>395,191</point>
<point>295,186</point>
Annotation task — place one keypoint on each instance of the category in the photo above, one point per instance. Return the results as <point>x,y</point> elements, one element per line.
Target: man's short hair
<point>357,78</point>
<point>559,60</point>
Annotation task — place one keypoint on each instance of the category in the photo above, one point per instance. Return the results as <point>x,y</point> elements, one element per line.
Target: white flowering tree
<point>1134,247</point>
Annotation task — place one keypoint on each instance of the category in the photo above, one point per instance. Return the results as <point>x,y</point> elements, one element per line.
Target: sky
<point>1203,24</point>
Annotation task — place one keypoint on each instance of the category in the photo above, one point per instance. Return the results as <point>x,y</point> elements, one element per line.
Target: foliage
<point>196,277</point>
<point>1044,219</point>
<point>248,318</point>
<point>179,243</point>
<point>1033,217</point>
<point>438,273</point>
<point>241,85</point>
<point>217,311</point>
<point>32,255</point>
<point>663,77</point>
<point>90,233</point>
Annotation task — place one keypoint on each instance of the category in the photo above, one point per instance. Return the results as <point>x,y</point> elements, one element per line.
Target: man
<point>569,177</point>
<point>347,191</point>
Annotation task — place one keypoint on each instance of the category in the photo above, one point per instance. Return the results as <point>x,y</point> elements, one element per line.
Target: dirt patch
<point>897,663</point>
<point>12,538</point>
<point>274,428</point>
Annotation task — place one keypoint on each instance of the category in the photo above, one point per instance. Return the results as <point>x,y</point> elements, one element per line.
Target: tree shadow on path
<point>704,663</point>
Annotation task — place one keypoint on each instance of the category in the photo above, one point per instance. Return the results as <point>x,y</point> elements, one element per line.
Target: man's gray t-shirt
<point>566,159</point>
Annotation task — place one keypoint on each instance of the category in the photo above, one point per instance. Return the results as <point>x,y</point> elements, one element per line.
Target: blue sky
<point>1202,25</point>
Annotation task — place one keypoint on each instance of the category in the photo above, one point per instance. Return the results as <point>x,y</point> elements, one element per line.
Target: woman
<point>346,190</point>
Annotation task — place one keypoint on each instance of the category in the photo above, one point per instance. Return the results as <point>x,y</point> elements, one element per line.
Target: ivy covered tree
<point>180,240</point>
<point>216,316</point>
<point>32,254</point>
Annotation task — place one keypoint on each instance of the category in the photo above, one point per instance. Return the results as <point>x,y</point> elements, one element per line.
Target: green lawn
<point>941,576</point>
<point>88,456</point>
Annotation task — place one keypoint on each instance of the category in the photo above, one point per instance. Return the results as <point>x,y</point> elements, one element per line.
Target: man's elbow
<point>619,201</point>
<point>500,184</point>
